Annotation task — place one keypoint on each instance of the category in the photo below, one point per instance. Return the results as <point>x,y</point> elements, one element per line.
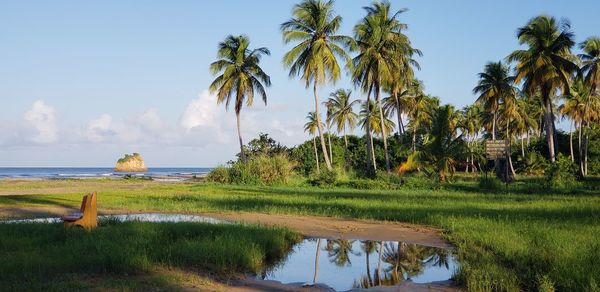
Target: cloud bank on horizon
<point>203,127</point>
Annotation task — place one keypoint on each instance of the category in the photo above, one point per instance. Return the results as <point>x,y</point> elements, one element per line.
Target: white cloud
<point>200,112</point>
<point>42,118</point>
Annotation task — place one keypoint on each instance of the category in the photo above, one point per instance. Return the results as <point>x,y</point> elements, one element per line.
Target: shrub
<point>258,170</point>
<point>562,173</point>
<point>533,163</point>
<point>324,178</point>
<point>219,174</point>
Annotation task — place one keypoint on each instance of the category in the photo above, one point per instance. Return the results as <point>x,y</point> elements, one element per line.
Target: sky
<point>84,82</point>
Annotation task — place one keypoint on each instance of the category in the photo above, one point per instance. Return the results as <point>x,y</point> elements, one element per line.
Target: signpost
<point>495,149</point>
<point>499,150</point>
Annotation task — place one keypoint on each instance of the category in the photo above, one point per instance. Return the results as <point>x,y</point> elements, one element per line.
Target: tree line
<point>519,97</point>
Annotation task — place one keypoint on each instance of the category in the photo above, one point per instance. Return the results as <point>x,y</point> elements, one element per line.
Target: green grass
<point>38,256</point>
<point>523,237</point>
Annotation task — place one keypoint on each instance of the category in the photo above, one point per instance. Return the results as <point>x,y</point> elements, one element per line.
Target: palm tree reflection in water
<point>404,262</point>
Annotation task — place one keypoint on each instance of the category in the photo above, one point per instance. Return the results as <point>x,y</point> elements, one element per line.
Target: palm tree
<point>315,58</point>
<point>342,112</point>
<point>380,43</point>
<point>328,113</point>
<point>443,146</point>
<point>574,108</point>
<point>420,108</point>
<point>368,247</point>
<point>240,76</point>
<point>493,86</point>
<point>591,69</point>
<point>470,125</point>
<point>370,121</point>
<point>311,127</point>
<point>545,66</point>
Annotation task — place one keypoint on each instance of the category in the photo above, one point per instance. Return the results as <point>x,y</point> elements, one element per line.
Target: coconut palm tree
<point>591,70</point>
<point>443,145</point>
<point>420,108</point>
<point>370,122</point>
<point>240,76</point>
<point>315,56</point>
<point>573,108</point>
<point>328,124</point>
<point>493,86</point>
<point>545,66</point>
<point>342,112</point>
<point>470,125</point>
<point>381,42</point>
<point>311,127</point>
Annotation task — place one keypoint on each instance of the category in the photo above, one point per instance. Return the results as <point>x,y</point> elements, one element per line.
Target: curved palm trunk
<point>320,127</point>
<point>242,154</point>
<point>383,133</point>
<point>414,140</point>
<point>315,277</point>
<point>316,153</point>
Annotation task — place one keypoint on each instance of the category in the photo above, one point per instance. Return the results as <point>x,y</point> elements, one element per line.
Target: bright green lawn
<point>506,240</point>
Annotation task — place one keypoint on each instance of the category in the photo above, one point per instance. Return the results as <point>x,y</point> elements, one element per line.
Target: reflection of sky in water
<point>148,217</point>
<point>300,264</point>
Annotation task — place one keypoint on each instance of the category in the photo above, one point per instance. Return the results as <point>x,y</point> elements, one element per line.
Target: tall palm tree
<point>591,69</point>
<point>380,42</point>
<point>342,111</point>
<point>240,76</point>
<point>311,127</point>
<point>315,56</point>
<point>545,66</point>
<point>328,124</point>
<point>493,86</point>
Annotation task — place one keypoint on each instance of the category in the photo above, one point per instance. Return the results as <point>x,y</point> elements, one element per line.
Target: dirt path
<point>310,226</point>
<point>332,228</point>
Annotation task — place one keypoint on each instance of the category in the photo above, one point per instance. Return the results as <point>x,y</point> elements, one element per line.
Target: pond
<point>146,217</point>
<point>337,263</point>
<point>347,264</point>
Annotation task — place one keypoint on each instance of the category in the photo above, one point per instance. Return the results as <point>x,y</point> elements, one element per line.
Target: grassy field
<point>47,256</point>
<point>523,237</point>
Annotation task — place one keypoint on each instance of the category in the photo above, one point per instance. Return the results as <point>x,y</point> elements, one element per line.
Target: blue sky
<point>82,82</point>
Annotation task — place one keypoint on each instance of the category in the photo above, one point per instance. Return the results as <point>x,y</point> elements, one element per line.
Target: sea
<point>97,172</point>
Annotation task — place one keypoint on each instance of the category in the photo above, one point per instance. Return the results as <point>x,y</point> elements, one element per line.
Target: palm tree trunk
<point>320,127</point>
<point>399,114</point>
<point>571,140</point>
<point>494,127</point>
<point>373,153</point>
<point>329,140</point>
<point>370,154</point>
<point>382,123</point>
<point>242,154</point>
<point>345,138</point>
<point>549,125</point>
<point>316,153</point>
<point>414,140</point>
<point>315,277</point>
<point>522,146</point>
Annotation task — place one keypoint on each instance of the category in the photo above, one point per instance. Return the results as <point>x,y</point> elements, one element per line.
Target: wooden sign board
<point>495,149</point>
